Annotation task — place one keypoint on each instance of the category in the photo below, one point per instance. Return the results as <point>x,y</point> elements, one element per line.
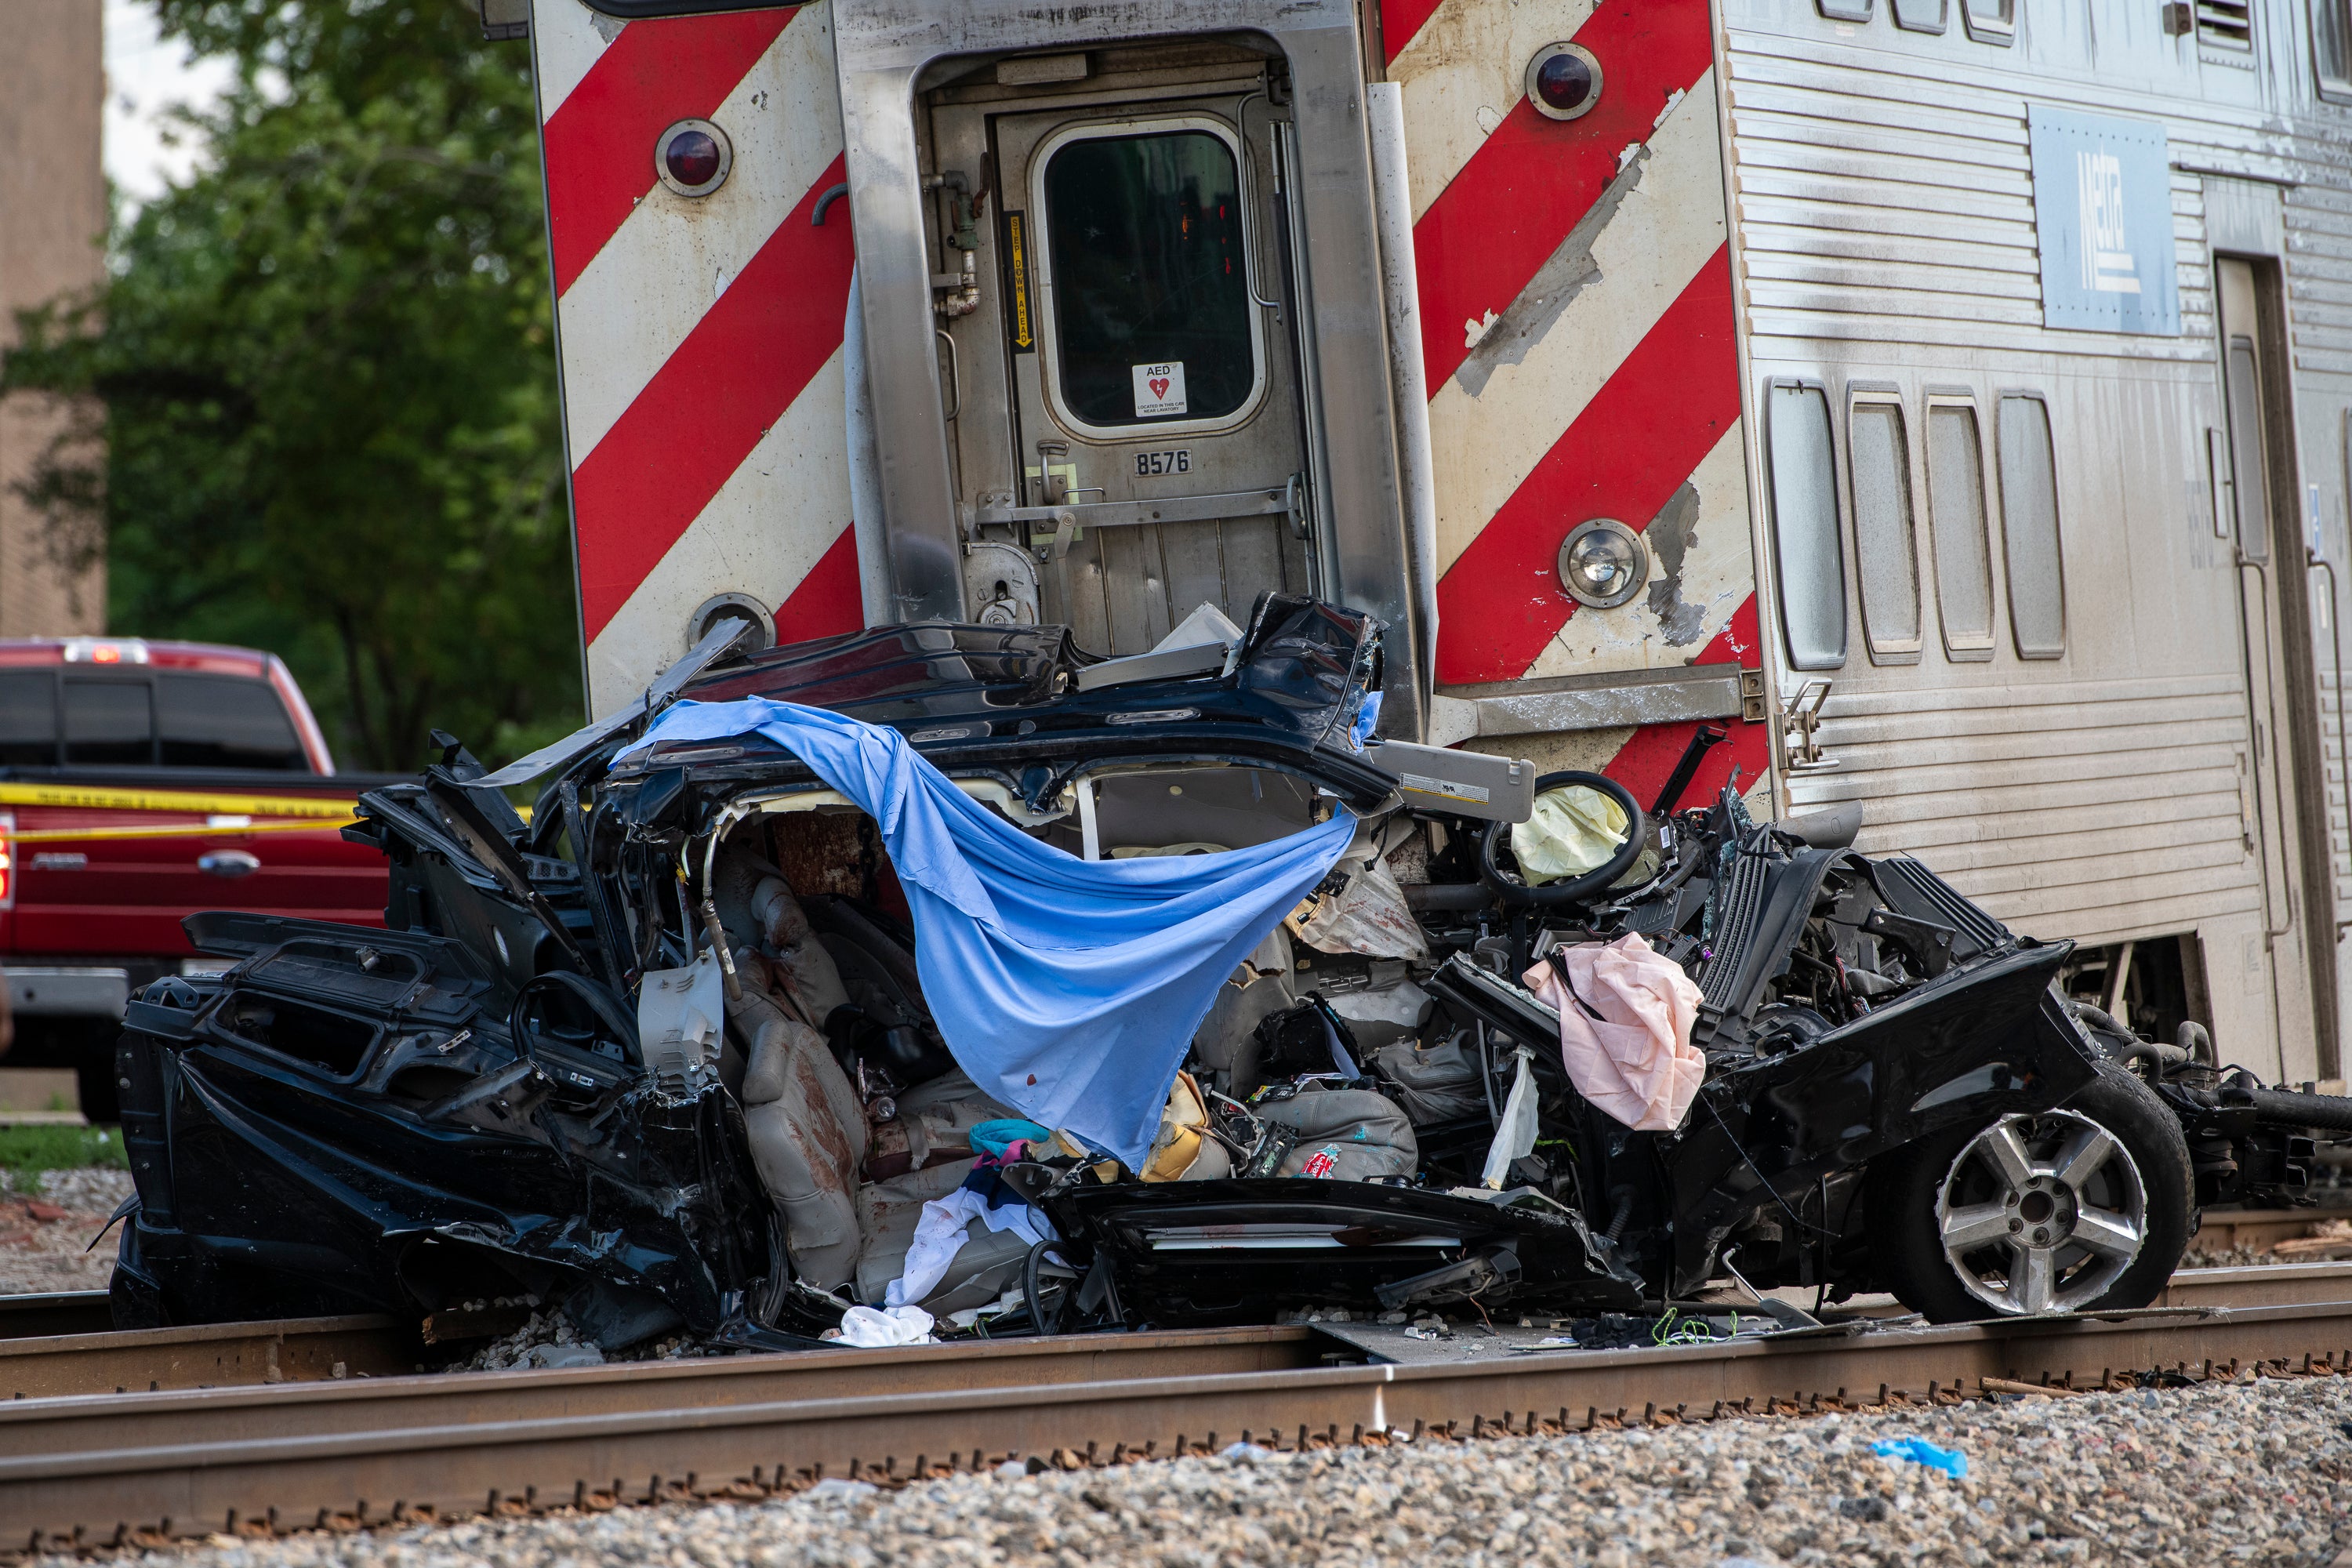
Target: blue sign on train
<point>2102,204</point>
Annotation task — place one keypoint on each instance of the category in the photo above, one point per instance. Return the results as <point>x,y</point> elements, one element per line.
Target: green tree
<point>322,380</point>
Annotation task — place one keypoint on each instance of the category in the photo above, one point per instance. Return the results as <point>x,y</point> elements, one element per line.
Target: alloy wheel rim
<point>2042,1213</point>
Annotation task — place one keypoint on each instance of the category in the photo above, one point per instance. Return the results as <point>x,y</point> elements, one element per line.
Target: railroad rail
<point>54,1313</point>
<point>2221,1230</point>
<point>62,1345</point>
<point>143,1468</point>
<point>212,1355</point>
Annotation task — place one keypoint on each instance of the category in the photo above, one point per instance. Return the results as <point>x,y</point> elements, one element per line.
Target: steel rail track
<point>290,1349</point>
<point>2219,1230</point>
<point>219,1410</point>
<point>52,1346</point>
<point>2258,1284</point>
<point>173,1419</point>
<point>560,1439</point>
<point>87,1311</point>
<point>54,1313</point>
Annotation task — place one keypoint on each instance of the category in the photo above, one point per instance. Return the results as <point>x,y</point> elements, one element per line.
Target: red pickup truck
<point>141,782</point>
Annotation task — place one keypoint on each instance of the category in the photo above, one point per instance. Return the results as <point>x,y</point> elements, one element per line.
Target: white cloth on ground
<point>872,1329</point>
<point>940,1236</point>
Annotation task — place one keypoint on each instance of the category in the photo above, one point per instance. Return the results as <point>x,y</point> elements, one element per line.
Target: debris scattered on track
<point>549,1339</point>
<point>2247,1472</point>
<point>45,1227</point>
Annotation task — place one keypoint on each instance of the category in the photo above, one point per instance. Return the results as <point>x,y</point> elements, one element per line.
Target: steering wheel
<point>1512,892</point>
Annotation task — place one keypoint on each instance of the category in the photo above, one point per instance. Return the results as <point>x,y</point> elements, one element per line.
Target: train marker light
<point>1563,81</point>
<point>692,157</point>
<point>1603,563</point>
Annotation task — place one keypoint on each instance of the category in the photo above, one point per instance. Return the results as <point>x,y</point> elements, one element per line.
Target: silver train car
<point>2048,310</point>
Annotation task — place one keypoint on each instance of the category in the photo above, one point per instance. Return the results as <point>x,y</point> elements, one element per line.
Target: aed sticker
<point>1160,389</point>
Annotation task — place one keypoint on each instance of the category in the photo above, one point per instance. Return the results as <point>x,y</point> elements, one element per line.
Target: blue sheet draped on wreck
<point>1068,989</point>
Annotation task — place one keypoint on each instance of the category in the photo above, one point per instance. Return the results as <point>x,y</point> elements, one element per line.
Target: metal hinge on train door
<point>1801,722</point>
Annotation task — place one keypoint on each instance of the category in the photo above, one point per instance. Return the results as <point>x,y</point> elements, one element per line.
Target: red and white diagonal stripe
<point>1580,341</point>
<point>701,338</point>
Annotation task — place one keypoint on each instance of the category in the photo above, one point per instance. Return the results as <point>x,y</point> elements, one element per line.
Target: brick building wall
<point>52,230</point>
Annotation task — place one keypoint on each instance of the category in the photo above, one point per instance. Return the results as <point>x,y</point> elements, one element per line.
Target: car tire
<point>2085,1206</point>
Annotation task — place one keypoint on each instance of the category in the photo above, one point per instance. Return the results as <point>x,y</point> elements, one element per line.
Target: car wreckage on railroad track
<point>942,966</point>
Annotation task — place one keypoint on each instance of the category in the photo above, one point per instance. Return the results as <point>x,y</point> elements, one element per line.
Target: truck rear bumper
<point>62,993</point>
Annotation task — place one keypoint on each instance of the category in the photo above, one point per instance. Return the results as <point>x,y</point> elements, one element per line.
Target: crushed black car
<point>510,1091</point>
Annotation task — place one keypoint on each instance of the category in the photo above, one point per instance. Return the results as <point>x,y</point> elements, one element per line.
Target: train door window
<point>1956,527</point>
<point>107,722</point>
<point>2331,46</point>
<point>1878,458</point>
<point>1990,21</point>
<point>224,721</point>
<point>2248,466</point>
<point>28,719</point>
<point>1811,566</point>
<point>2029,525</point>
<point>1145,281</point>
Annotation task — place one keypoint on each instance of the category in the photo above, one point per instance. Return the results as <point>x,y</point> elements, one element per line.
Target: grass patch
<point>26,1150</point>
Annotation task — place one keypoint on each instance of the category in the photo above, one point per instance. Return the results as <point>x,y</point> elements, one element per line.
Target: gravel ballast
<point>2256,1472</point>
<point>45,1229</point>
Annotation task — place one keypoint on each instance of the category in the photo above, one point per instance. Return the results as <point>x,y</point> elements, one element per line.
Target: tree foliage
<point>324,367</point>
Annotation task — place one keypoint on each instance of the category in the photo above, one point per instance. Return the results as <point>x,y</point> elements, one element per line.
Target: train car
<point>1945,400</point>
<point>2048,305</point>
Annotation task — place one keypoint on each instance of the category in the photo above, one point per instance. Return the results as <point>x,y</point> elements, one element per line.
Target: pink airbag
<point>1635,1061</point>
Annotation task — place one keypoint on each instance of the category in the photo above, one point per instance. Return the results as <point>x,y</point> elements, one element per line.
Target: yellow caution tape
<point>316,815</point>
<point>84,797</point>
<point>184,830</point>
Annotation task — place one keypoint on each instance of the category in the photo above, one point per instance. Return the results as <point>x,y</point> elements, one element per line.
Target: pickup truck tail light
<point>7,859</point>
